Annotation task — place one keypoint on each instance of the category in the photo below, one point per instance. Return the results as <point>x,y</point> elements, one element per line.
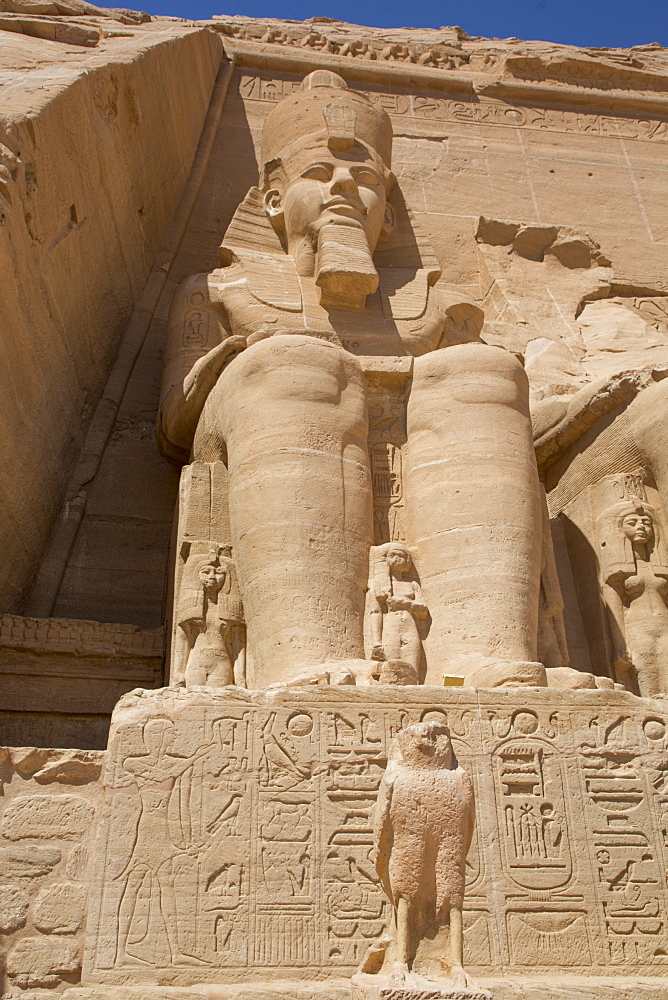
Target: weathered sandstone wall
<point>95,146</point>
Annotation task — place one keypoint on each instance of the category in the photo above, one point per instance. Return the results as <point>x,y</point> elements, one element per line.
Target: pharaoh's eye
<point>367,176</point>
<point>318,172</point>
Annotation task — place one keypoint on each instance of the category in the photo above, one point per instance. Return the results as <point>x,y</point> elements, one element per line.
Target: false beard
<point>344,269</point>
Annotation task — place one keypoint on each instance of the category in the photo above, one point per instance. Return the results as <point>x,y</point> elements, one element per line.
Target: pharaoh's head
<point>398,558</point>
<point>212,576</point>
<point>159,735</point>
<point>326,154</point>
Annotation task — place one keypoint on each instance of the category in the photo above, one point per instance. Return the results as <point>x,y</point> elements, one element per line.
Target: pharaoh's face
<point>398,559</point>
<point>312,187</point>
<point>638,528</point>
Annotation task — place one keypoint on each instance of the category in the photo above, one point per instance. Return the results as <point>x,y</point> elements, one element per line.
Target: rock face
<point>395,304</point>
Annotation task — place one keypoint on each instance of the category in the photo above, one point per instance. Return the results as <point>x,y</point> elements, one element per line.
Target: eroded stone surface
<point>40,961</point>
<point>66,817</point>
<point>60,908</point>
<point>13,907</point>
<point>47,829</point>
<point>22,861</point>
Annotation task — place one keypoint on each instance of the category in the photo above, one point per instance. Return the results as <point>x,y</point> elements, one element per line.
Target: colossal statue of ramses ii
<point>327,286</point>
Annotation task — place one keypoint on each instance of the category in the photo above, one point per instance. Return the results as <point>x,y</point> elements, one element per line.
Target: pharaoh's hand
<point>378,653</point>
<point>203,374</point>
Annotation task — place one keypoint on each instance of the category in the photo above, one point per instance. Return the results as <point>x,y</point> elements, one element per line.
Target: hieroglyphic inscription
<point>625,838</point>
<point>484,111</point>
<point>387,432</point>
<point>237,833</point>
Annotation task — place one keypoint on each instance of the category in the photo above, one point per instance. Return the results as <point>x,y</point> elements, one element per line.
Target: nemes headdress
<point>325,111</point>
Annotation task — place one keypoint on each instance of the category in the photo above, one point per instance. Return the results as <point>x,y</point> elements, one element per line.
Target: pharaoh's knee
<point>470,373</point>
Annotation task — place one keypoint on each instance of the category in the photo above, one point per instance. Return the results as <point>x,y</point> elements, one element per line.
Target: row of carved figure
<point>211,619</point>
<point>634,588</point>
<point>443,56</point>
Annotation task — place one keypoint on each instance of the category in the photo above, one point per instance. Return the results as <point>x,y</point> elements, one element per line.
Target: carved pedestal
<point>366,987</point>
<point>234,844</point>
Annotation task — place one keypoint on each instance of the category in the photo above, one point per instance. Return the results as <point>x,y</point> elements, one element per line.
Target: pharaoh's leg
<point>222,671</point>
<point>474,507</point>
<point>292,412</point>
<point>401,640</point>
<point>126,911</point>
<point>209,661</point>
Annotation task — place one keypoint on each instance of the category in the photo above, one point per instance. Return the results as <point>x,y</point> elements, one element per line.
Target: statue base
<point>235,838</point>
<point>381,987</point>
<point>557,986</point>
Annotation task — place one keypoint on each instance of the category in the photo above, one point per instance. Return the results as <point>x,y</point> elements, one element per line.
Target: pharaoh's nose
<point>343,182</point>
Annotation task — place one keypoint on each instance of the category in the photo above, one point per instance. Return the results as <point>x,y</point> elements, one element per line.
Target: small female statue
<point>395,606</point>
<point>634,580</point>
<point>211,617</point>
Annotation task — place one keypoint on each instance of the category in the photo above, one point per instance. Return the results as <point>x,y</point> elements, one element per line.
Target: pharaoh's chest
<point>400,318</point>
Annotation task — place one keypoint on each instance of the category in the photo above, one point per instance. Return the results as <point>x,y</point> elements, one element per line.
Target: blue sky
<point>579,22</point>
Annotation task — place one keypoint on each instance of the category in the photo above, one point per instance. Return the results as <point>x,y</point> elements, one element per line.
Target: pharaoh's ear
<point>388,221</point>
<point>273,206</point>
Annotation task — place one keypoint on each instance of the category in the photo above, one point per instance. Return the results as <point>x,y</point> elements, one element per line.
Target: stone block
<point>60,908</point>
<point>23,861</point>
<point>61,817</point>
<point>41,961</point>
<point>13,907</point>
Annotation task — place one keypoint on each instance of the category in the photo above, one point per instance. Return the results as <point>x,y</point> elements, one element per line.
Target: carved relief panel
<point>237,832</point>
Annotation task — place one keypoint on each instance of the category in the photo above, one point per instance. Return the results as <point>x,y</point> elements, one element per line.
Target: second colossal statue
<point>327,286</point>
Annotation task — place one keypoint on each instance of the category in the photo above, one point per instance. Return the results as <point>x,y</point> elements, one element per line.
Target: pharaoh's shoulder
<point>269,278</point>
<point>427,313</point>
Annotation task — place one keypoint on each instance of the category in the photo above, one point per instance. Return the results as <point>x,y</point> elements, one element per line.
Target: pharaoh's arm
<point>419,608</point>
<point>198,346</point>
<point>462,318</point>
<point>375,616</point>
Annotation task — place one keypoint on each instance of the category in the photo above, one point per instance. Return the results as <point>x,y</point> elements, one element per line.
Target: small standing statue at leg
<point>424,822</point>
<point>210,616</point>
<point>395,609</point>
